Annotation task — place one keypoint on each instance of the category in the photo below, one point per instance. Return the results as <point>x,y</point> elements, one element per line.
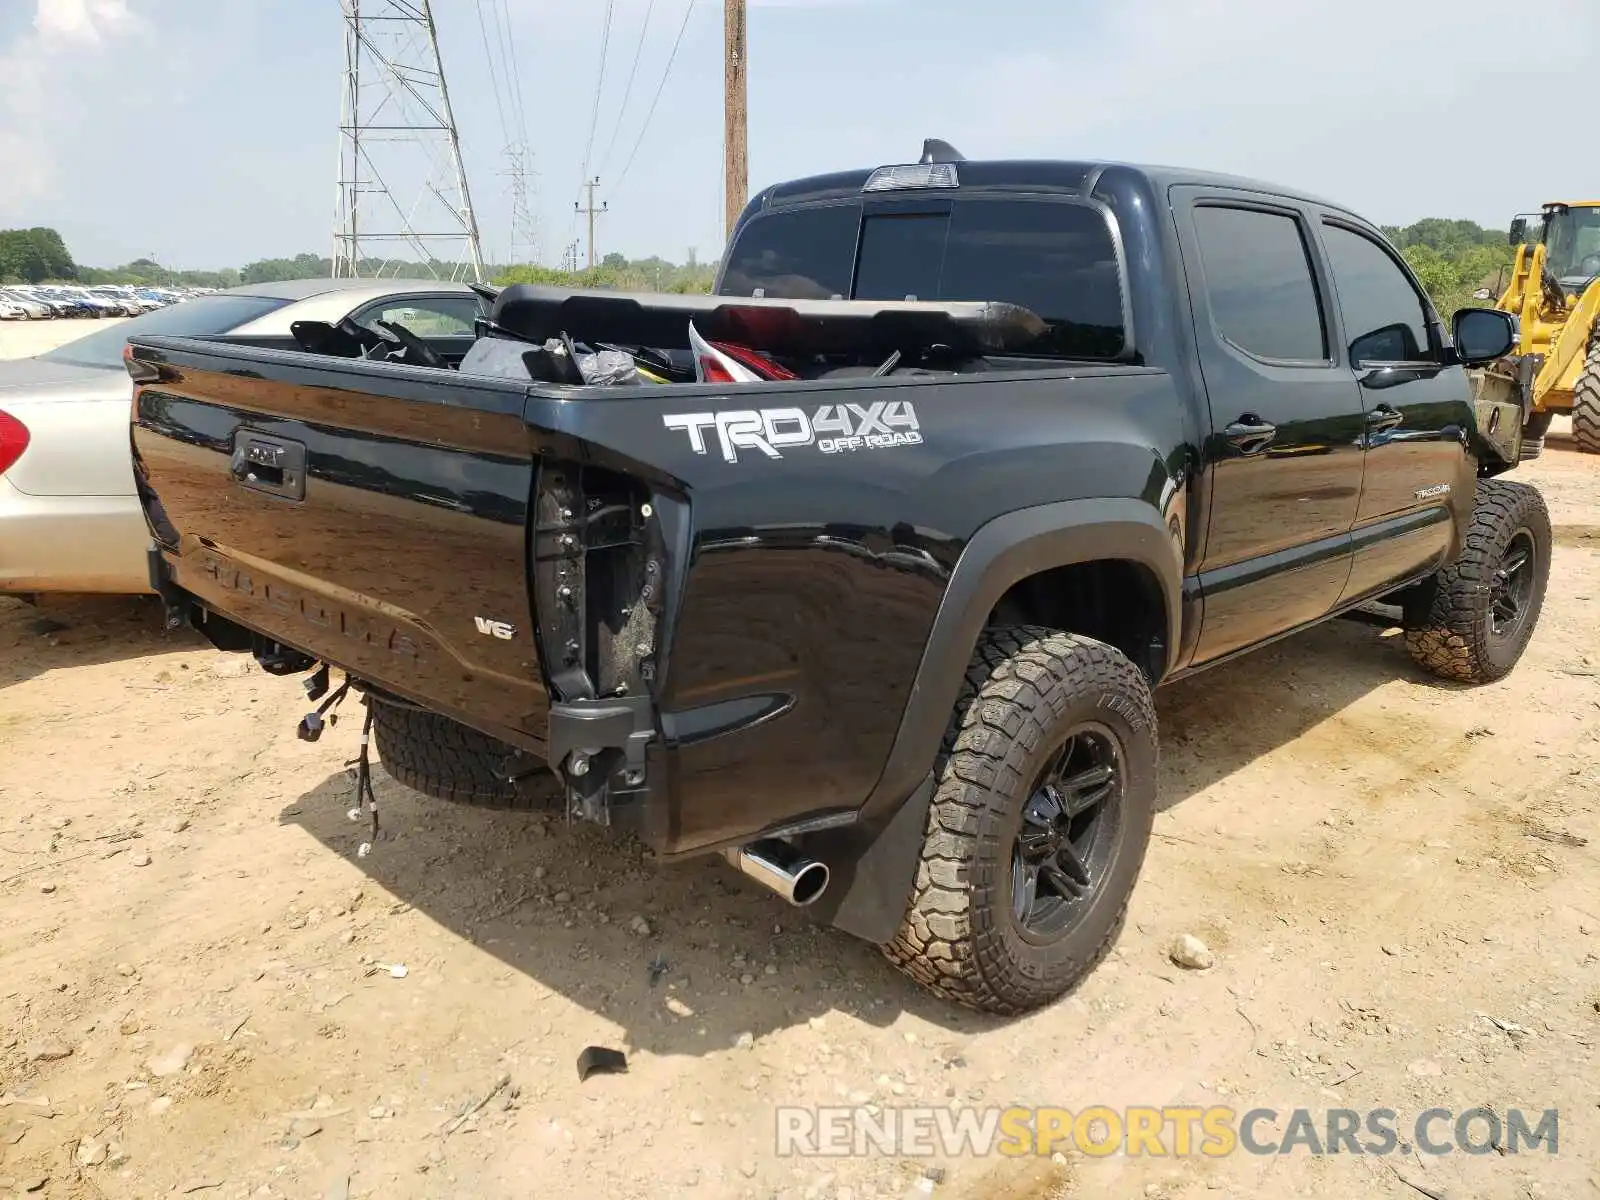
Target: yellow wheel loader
<point>1555,293</point>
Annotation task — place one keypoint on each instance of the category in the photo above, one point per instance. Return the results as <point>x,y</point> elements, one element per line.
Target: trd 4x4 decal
<point>833,428</point>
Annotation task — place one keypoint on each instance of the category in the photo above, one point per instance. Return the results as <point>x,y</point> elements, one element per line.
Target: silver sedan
<point>69,516</point>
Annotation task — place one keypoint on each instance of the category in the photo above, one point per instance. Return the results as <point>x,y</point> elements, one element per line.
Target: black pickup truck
<point>882,624</point>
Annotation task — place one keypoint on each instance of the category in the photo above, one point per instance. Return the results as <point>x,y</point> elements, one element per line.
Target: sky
<point>205,132</point>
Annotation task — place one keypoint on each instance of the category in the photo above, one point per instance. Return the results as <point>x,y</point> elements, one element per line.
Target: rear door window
<point>1259,283</point>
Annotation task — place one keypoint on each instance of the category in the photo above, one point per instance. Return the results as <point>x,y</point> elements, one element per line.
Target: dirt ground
<point>200,993</point>
<point>19,339</point>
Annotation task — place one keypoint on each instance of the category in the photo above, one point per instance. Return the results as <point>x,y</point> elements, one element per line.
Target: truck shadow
<point>80,631</point>
<point>1223,719</point>
<point>561,905</point>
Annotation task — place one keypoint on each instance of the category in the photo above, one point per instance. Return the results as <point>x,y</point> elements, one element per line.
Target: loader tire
<point>1586,400</point>
<point>1485,605</point>
<point>448,761</point>
<point>1046,723</point>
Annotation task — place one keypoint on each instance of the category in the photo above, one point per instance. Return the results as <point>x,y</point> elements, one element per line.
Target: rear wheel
<point>1485,604</point>
<point>1038,828</point>
<point>1586,399</point>
<point>448,761</point>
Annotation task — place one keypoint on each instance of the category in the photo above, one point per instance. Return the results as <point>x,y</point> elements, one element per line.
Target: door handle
<point>1250,434</point>
<point>276,466</point>
<point>1384,417</point>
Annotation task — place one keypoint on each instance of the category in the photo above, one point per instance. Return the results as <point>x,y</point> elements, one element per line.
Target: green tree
<point>34,255</point>
<point>1452,259</point>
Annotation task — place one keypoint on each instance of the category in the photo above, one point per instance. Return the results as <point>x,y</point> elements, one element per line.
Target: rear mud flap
<point>873,866</point>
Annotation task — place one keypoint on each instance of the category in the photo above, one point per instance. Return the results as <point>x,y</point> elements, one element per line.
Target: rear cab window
<point>1056,257</point>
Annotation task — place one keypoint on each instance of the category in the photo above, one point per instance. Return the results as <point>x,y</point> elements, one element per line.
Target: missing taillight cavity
<point>14,439</point>
<point>597,576</point>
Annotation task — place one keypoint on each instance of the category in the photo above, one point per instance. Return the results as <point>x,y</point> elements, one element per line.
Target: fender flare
<point>874,859</point>
<point>1001,553</point>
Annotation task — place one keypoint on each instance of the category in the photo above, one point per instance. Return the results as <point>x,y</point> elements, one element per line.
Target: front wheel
<point>1038,827</point>
<point>1485,604</point>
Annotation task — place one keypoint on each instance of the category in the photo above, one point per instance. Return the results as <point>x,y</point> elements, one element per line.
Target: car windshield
<point>1054,258</point>
<point>202,317</point>
<point>1572,243</point>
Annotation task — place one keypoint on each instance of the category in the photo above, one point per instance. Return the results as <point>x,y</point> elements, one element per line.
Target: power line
<point>627,92</point>
<point>665,75</point>
<point>494,76</point>
<point>599,86</point>
<point>516,71</point>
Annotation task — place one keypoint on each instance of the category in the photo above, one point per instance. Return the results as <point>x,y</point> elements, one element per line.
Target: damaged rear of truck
<point>879,620</point>
<point>731,620</point>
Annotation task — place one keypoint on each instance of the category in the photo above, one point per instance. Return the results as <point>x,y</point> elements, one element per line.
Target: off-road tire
<point>448,761</point>
<point>1586,399</point>
<point>1025,689</point>
<point>1453,637</point>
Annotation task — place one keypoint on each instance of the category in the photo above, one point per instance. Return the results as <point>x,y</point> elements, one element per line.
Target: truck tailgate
<point>382,526</point>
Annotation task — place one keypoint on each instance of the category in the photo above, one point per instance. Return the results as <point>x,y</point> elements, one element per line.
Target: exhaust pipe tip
<point>780,868</point>
<point>809,884</point>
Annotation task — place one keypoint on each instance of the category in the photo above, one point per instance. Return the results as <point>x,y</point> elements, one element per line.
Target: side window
<point>1384,317</point>
<point>426,316</point>
<point>1259,281</point>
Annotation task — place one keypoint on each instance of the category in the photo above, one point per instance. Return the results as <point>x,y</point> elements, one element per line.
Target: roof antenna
<point>936,151</point>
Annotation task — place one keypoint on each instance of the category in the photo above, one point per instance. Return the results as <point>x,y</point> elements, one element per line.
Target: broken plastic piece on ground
<point>597,1060</point>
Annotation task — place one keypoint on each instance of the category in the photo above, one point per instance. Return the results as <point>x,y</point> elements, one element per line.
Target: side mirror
<point>1519,231</point>
<point>1483,335</point>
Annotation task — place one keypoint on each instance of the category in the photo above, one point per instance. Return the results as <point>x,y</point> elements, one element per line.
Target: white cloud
<point>80,21</point>
<point>39,94</point>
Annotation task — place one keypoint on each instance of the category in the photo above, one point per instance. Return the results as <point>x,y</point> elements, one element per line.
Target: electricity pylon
<point>401,180</point>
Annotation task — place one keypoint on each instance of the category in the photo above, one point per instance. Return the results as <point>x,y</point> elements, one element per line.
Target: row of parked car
<point>41,302</point>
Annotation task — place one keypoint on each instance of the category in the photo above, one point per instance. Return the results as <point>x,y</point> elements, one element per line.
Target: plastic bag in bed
<point>498,357</point>
<point>607,368</point>
<point>506,359</point>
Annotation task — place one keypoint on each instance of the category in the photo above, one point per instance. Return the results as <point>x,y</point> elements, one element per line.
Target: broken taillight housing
<point>13,440</point>
<point>722,362</point>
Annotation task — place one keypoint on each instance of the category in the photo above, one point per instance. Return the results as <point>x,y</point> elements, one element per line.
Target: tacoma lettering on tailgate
<point>292,603</point>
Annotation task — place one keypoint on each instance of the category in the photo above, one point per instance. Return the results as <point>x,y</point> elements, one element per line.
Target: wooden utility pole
<point>736,160</point>
<point>592,213</point>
